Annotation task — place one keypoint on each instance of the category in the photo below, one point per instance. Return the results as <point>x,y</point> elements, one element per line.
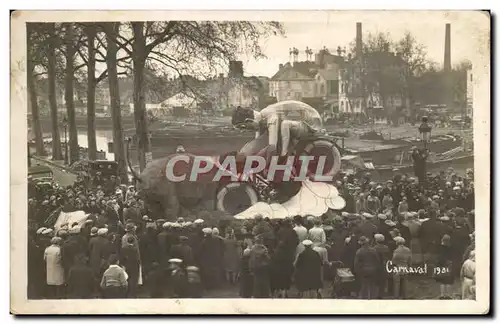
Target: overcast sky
<point>339,29</point>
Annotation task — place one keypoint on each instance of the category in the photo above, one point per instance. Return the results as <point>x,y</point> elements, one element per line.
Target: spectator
<point>401,258</point>
<point>468,276</point>
<point>114,282</point>
<point>55,270</point>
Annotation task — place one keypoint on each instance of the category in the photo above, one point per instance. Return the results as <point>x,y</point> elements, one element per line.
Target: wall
<point>292,90</point>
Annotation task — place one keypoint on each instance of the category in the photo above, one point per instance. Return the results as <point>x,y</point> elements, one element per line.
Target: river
<point>103,137</point>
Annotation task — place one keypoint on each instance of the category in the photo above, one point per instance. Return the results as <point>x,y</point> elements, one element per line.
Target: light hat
<point>175,260</point>
<point>399,240</point>
<point>307,242</point>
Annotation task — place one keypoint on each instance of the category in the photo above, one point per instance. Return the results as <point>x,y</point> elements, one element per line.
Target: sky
<point>338,29</point>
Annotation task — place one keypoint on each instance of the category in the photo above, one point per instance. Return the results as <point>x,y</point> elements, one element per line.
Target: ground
<point>418,288</point>
<point>60,176</point>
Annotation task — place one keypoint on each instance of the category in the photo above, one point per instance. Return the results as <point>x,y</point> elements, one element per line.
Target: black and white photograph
<point>221,158</point>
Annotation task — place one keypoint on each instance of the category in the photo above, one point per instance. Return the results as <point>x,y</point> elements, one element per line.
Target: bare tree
<point>53,43</point>
<point>35,38</point>
<point>111,30</point>
<point>415,57</point>
<point>185,47</point>
<point>70,52</point>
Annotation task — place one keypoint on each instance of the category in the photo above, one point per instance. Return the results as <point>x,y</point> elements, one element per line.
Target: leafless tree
<point>185,48</point>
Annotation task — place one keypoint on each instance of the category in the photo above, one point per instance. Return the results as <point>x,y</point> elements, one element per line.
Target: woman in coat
<point>232,255</point>
<point>443,270</point>
<point>281,270</point>
<point>55,270</point>
<point>308,270</point>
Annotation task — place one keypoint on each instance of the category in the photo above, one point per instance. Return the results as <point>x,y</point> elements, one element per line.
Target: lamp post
<point>65,123</point>
<point>425,131</point>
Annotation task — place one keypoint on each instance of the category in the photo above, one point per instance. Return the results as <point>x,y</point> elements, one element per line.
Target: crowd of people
<point>388,236</point>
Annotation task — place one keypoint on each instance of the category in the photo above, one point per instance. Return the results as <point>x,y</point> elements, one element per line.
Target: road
<point>60,176</point>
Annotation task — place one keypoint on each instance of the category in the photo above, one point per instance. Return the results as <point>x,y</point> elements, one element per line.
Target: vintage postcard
<point>250,162</point>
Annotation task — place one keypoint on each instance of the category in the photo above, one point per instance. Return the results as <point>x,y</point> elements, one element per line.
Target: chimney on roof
<point>280,66</point>
<point>359,39</point>
<point>447,48</point>
<point>235,69</point>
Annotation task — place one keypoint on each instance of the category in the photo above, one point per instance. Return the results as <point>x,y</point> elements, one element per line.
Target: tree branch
<point>102,76</point>
<point>78,67</point>
<point>162,37</point>
<point>79,50</point>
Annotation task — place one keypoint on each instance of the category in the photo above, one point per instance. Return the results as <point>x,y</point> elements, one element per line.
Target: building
<point>315,82</point>
<point>294,81</point>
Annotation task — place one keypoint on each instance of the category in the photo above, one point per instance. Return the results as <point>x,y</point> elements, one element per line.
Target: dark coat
<point>281,268</point>
<point>308,270</point>
<point>366,262</point>
<point>129,258</point>
<point>81,282</point>
<point>97,246</point>
<point>184,252</point>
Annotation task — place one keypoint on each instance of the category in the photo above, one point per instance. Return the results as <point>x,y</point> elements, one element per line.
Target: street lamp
<point>65,124</point>
<point>425,131</point>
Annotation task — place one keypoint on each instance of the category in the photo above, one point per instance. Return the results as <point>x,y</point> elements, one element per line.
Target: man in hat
<point>259,266</point>
<point>194,288</point>
<point>384,255</point>
<point>129,259</point>
<point>264,228</point>
<point>207,254</point>
<point>368,228</point>
<point>97,246</point>
<point>164,245</point>
<point>308,272</point>
<point>81,279</point>
<point>179,278</point>
<point>183,251</point>
<point>366,268</point>
<point>402,257</point>
<point>130,231</point>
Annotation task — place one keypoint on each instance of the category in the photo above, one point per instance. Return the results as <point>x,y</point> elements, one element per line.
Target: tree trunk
<point>141,123</point>
<point>114,94</point>
<point>68,95</point>
<point>35,114</point>
<point>51,71</point>
<point>91,85</point>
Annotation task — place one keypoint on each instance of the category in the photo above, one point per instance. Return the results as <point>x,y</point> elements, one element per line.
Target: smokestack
<point>359,39</point>
<point>447,49</point>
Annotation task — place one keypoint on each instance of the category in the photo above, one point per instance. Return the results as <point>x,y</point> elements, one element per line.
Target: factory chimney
<point>359,40</point>
<point>447,49</point>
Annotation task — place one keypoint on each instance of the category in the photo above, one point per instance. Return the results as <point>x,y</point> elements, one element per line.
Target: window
<point>342,106</point>
<point>342,88</point>
<point>322,88</point>
<point>471,77</point>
